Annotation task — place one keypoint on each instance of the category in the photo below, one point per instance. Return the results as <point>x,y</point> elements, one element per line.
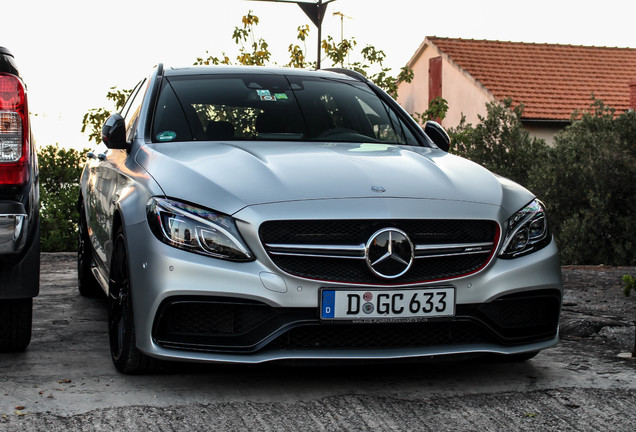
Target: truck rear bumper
<point>14,225</point>
<point>19,254</point>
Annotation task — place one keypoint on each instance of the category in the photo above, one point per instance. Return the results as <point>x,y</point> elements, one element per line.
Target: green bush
<point>60,170</point>
<point>500,143</point>
<point>587,180</point>
<point>630,284</point>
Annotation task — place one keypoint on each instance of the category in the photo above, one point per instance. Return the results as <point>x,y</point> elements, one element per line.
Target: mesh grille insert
<point>358,232</point>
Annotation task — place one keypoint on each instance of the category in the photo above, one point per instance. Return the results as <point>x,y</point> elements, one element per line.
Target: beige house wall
<point>544,132</point>
<point>413,96</point>
<point>465,96</point>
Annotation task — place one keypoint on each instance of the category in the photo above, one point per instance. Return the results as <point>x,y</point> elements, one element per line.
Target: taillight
<point>14,131</point>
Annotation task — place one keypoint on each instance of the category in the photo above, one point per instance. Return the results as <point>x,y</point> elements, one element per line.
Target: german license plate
<point>379,304</point>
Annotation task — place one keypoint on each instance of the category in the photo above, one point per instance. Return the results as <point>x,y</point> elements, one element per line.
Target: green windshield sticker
<point>262,92</point>
<point>166,136</point>
<point>280,96</point>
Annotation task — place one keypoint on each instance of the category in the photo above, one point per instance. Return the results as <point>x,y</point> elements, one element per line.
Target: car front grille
<point>218,324</point>
<point>334,250</point>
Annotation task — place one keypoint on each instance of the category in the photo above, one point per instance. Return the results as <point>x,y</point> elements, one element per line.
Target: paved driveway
<point>65,380</point>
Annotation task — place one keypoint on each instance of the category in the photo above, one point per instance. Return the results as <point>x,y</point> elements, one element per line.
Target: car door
<point>107,178</point>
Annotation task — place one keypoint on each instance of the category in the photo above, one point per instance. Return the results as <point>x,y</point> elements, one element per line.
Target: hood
<point>228,176</point>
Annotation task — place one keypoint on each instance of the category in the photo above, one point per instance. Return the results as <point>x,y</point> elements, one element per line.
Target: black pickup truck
<point>19,211</point>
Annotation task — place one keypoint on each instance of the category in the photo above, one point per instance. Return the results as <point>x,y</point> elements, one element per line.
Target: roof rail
<point>348,72</point>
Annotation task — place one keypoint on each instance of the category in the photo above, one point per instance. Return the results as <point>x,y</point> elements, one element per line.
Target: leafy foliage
<point>630,284</point>
<point>297,57</point>
<point>590,182</point>
<point>212,60</point>
<point>372,56</point>
<point>60,170</point>
<point>255,51</point>
<point>95,117</point>
<point>436,111</point>
<point>338,52</point>
<point>586,179</point>
<point>500,143</point>
<point>258,53</point>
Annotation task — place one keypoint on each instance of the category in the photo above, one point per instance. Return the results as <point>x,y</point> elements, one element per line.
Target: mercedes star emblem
<point>389,253</point>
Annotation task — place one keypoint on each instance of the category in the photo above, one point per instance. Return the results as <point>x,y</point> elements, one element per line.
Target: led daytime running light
<point>527,231</point>
<point>197,230</point>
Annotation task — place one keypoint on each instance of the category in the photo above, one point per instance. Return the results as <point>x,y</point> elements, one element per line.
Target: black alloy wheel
<point>127,358</point>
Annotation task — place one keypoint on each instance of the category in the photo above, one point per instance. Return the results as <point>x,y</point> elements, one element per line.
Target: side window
<point>385,125</point>
<point>132,108</point>
<point>170,122</point>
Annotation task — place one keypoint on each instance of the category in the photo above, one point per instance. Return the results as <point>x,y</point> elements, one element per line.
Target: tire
<point>126,357</point>
<point>16,316</point>
<point>86,282</point>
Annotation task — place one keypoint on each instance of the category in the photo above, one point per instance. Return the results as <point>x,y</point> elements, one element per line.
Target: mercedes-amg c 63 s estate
<point>245,215</point>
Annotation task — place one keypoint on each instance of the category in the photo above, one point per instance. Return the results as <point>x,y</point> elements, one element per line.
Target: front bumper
<point>227,325</point>
<point>195,308</point>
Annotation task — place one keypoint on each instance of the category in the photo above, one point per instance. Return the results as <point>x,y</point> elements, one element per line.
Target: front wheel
<point>127,358</point>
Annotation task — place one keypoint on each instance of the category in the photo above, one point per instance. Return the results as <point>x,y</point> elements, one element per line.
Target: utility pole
<point>315,12</point>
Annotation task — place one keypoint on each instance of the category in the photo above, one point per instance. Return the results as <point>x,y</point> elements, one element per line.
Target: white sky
<point>70,52</point>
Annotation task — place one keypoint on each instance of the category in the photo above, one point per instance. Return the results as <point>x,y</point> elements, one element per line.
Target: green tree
<point>501,144</point>
<point>255,51</point>
<point>372,56</point>
<point>436,111</point>
<point>60,170</point>
<point>589,180</point>
<point>95,117</point>
<point>297,57</point>
<point>258,53</point>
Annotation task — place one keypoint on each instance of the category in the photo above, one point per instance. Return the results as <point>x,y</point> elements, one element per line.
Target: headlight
<point>527,231</point>
<point>197,230</point>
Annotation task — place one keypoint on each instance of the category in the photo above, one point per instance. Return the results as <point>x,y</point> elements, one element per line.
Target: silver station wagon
<point>246,215</point>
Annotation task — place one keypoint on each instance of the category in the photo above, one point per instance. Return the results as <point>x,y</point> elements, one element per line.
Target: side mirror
<point>437,134</point>
<point>114,132</point>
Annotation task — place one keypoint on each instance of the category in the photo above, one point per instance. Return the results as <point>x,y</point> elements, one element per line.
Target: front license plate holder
<point>374,304</point>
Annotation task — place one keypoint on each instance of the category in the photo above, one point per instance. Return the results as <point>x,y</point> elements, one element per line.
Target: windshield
<point>274,107</point>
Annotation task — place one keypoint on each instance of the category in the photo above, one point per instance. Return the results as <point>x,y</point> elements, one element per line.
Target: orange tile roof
<point>550,80</point>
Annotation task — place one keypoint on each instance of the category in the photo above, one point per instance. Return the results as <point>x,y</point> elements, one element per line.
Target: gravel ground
<point>66,382</point>
<point>595,309</point>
